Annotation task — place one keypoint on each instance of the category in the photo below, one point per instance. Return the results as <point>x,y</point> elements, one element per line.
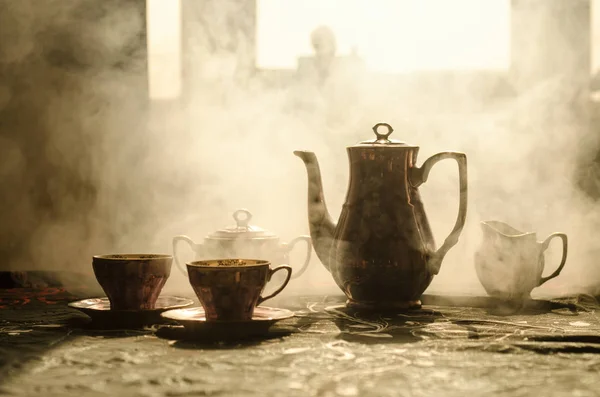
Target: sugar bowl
<point>244,241</point>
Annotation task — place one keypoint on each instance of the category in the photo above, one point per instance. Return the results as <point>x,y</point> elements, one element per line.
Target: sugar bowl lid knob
<point>242,229</point>
<point>242,218</point>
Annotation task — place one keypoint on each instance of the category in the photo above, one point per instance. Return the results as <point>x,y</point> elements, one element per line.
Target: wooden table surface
<point>449,348</point>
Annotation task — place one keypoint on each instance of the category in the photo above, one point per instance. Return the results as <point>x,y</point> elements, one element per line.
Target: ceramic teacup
<point>132,281</point>
<point>230,289</point>
<point>509,263</point>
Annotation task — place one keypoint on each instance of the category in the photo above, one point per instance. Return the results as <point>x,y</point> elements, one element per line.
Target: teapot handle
<point>420,175</point>
<point>195,247</point>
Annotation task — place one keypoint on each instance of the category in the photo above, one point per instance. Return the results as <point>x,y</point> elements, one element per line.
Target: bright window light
<point>595,20</point>
<point>164,48</point>
<point>390,35</point>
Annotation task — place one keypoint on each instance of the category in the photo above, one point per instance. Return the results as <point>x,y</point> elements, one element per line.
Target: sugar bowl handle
<point>419,176</point>
<point>545,245</point>
<point>290,246</point>
<point>197,248</point>
<point>285,282</point>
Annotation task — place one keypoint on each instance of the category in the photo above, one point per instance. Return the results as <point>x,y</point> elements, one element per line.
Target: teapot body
<point>383,241</point>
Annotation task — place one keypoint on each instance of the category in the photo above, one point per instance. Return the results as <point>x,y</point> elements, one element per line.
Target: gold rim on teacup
<point>132,257</point>
<point>229,263</point>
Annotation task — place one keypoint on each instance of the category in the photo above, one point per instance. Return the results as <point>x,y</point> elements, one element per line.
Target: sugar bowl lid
<point>242,229</point>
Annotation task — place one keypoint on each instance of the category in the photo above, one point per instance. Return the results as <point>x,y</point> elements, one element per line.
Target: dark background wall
<point>72,73</point>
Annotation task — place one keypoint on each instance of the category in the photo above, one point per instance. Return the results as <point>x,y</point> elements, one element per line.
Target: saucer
<point>98,309</point>
<point>194,321</point>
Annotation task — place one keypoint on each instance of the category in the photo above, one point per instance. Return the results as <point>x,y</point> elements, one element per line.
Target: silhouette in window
<point>325,64</point>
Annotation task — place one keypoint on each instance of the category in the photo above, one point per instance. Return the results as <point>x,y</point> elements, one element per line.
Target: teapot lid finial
<point>382,138</point>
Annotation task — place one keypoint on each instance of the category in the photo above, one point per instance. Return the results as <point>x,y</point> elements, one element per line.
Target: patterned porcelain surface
<point>230,289</point>
<point>132,281</point>
<point>381,251</point>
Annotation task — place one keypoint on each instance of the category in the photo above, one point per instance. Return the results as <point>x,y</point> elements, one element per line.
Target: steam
<point>89,166</point>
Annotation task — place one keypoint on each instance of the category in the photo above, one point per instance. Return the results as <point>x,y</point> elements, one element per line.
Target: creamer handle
<point>545,245</point>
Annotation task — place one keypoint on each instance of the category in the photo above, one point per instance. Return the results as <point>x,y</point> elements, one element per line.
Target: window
<point>164,48</point>
<point>595,21</point>
<point>391,35</point>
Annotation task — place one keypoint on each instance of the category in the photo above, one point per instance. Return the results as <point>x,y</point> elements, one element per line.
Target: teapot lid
<point>242,229</point>
<point>382,140</point>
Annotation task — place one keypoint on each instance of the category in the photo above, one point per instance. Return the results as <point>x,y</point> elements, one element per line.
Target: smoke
<point>90,166</point>
<point>71,79</point>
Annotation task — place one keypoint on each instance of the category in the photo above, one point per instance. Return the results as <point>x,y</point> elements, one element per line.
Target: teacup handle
<point>195,247</point>
<point>290,246</point>
<point>287,280</point>
<point>545,245</point>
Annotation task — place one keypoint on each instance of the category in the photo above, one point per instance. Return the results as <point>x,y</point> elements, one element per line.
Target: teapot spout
<point>322,227</point>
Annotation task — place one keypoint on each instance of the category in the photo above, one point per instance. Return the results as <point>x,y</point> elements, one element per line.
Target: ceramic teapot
<point>244,241</point>
<point>381,253</point>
